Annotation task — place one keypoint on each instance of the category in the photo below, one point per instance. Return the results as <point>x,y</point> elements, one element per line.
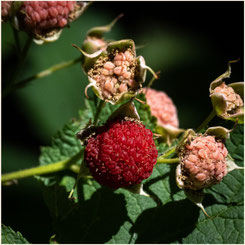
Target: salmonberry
<point>122,154</point>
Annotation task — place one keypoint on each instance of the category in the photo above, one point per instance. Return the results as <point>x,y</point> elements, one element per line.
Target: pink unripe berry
<point>162,107</point>
<point>42,15</point>
<point>203,162</point>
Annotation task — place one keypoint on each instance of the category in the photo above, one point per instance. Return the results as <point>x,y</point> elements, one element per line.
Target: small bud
<point>228,100</point>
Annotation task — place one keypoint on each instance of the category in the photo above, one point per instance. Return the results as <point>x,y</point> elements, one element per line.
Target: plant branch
<point>168,152</point>
<point>43,73</point>
<point>46,169</point>
<point>164,160</point>
<point>207,120</point>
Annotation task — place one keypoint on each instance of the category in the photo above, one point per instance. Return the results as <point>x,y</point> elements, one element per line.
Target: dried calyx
<point>113,70</point>
<point>228,100</point>
<point>115,74</point>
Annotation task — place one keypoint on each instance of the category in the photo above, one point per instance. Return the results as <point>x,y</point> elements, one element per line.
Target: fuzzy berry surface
<point>162,107</point>
<point>44,15</point>
<point>5,8</point>
<point>204,162</point>
<point>122,154</point>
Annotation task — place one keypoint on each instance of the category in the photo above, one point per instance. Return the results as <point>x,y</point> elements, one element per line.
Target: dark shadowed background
<point>189,42</point>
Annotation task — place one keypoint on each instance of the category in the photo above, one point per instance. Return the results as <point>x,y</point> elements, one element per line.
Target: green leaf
<point>98,214</point>
<point>64,144</point>
<point>143,110</point>
<point>225,226</point>
<point>93,206</point>
<point>11,237</point>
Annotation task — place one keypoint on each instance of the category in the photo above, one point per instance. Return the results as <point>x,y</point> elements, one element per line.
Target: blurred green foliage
<point>189,42</point>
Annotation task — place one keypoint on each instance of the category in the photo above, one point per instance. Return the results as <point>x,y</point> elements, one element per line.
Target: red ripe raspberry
<point>122,154</point>
<point>45,15</point>
<point>162,107</point>
<point>6,5</point>
<point>203,162</point>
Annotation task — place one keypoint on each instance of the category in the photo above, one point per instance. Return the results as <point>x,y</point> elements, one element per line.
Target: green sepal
<point>137,189</point>
<point>99,31</point>
<point>168,132</point>
<point>188,135</point>
<point>121,45</point>
<point>89,61</point>
<point>197,198</point>
<point>126,110</point>
<point>219,132</point>
<point>231,165</point>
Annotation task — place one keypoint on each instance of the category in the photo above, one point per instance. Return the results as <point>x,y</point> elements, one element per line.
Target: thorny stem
<point>43,73</point>
<point>68,164</point>
<point>46,169</point>
<point>164,160</point>
<point>19,65</point>
<point>99,109</point>
<point>207,120</point>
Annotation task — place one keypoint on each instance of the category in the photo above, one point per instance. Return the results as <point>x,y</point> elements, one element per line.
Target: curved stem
<point>99,109</point>
<point>46,169</point>
<point>207,120</point>
<point>43,73</point>
<point>164,160</point>
<point>153,79</point>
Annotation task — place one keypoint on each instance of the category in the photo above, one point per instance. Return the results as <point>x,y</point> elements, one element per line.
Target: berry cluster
<point>122,154</point>
<point>162,107</point>
<point>115,76</point>
<point>203,162</point>
<point>234,100</point>
<point>45,15</point>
